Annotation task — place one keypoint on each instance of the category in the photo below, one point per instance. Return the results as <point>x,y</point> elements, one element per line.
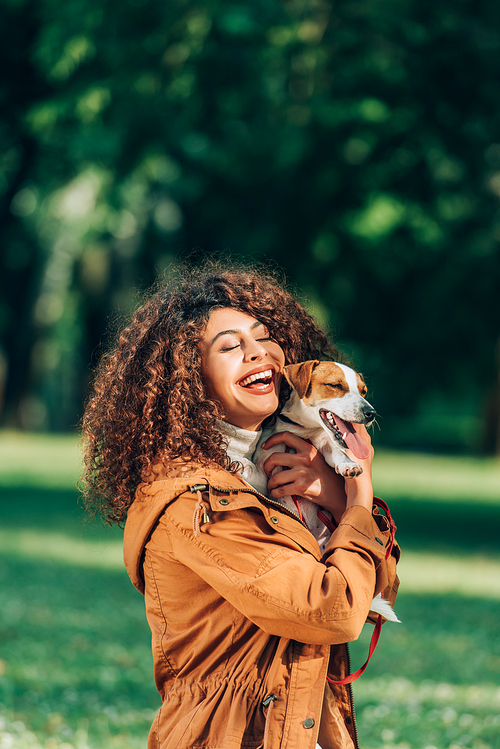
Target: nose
<point>369,413</point>
<point>254,350</point>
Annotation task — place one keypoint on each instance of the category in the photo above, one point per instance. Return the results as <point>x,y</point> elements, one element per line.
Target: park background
<point>353,144</point>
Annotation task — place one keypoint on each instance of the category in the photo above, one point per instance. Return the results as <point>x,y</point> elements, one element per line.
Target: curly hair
<point>149,402</point>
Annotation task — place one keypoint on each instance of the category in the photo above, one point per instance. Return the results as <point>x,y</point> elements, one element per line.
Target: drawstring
<point>269,703</point>
<point>197,515</point>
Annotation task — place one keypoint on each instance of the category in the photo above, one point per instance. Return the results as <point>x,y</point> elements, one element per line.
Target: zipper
<point>351,699</point>
<point>250,490</point>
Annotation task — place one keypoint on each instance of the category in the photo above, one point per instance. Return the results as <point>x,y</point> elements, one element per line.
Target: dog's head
<point>331,395</point>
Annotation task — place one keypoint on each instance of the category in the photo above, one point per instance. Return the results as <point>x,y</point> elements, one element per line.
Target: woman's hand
<point>310,476</point>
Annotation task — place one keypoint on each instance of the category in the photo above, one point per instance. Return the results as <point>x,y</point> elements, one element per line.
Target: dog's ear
<point>299,375</point>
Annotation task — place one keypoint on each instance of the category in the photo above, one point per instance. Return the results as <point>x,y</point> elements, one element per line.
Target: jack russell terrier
<point>326,398</point>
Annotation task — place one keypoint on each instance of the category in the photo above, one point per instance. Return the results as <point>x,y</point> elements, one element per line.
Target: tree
<point>354,143</point>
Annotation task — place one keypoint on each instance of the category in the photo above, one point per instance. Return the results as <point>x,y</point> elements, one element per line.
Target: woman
<point>248,615</point>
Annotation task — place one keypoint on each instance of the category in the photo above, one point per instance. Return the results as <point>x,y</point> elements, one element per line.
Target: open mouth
<point>329,420</point>
<point>345,434</point>
<point>258,381</point>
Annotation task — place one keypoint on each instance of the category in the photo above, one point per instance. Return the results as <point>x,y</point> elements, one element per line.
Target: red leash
<point>373,644</point>
<point>378,626</point>
<point>331,525</point>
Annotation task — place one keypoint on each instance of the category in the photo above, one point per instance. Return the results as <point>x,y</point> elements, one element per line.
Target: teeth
<point>259,376</point>
<point>328,416</point>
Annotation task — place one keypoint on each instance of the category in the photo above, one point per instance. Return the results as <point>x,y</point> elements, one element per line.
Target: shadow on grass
<point>56,510</point>
<point>437,525</point>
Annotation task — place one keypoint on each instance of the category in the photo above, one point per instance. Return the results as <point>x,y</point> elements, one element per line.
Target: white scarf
<point>241,445</point>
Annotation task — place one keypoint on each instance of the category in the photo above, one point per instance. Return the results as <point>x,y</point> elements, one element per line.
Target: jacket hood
<point>169,481</point>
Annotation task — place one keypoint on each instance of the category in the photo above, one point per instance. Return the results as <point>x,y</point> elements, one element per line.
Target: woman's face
<point>241,367</point>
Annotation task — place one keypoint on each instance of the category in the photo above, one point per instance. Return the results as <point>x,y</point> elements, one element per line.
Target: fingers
<point>304,454</point>
<point>280,484</point>
<point>286,438</point>
<point>296,482</point>
<point>284,460</point>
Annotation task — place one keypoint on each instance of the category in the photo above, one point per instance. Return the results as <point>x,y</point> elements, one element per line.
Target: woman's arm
<point>257,565</point>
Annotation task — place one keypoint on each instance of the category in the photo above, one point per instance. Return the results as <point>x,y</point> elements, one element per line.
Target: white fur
<point>350,376</point>
<point>379,606</point>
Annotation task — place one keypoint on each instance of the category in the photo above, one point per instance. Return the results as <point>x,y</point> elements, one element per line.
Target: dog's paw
<point>350,472</point>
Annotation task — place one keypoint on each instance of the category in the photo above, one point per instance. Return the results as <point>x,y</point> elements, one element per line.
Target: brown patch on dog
<point>316,380</point>
<point>328,381</point>
<point>299,376</point>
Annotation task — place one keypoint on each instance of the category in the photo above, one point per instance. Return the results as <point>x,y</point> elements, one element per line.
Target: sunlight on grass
<point>46,460</point>
<point>55,460</point>
<point>58,547</point>
<point>474,577</point>
<point>417,476</point>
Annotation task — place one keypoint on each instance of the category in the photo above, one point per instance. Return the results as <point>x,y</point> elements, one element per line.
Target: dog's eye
<point>336,386</point>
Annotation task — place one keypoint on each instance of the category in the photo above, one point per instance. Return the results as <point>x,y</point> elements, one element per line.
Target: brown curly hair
<point>149,402</point>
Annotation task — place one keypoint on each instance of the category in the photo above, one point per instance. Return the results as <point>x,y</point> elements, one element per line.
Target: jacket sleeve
<point>272,580</point>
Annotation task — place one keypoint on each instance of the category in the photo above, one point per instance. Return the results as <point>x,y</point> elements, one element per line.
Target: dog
<point>326,398</point>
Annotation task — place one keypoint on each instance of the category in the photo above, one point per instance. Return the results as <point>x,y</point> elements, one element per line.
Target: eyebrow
<point>235,331</point>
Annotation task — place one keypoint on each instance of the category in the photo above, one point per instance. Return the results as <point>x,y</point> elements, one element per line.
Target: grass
<point>75,659</point>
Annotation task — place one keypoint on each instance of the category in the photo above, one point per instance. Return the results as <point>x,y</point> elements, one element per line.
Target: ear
<point>299,375</point>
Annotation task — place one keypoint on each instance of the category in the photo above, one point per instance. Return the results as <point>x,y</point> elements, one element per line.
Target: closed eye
<point>229,348</point>
<point>336,386</point>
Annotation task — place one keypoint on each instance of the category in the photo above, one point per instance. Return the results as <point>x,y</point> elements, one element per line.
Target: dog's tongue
<point>352,439</point>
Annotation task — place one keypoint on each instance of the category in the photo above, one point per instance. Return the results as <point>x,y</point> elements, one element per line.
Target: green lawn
<point>75,661</point>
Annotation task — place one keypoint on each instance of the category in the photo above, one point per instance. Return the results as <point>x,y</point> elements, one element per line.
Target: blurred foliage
<point>354,143</point>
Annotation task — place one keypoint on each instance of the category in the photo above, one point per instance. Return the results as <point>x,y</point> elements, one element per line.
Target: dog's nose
<point>369,413</point>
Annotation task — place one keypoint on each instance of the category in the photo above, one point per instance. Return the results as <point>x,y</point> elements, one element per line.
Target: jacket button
<point>274,519</point>
<point>223,501</point>
<point>379,541</point>
<point>308,723</point>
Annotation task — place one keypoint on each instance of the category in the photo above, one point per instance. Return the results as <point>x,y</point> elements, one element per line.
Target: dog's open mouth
<point>345,434</point>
